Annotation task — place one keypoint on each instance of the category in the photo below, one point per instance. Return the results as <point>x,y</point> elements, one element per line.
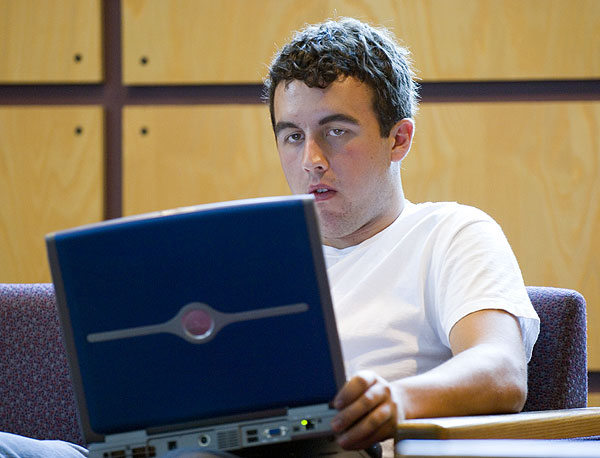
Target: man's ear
<point>402,134</point>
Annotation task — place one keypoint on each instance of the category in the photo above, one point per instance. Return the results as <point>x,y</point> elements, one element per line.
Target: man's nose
<point>314,158</point>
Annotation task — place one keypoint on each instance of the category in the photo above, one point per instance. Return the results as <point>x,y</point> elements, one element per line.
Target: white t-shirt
<point>398,294</point>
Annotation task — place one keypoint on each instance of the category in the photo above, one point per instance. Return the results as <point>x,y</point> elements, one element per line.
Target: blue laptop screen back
<point>135,273</point>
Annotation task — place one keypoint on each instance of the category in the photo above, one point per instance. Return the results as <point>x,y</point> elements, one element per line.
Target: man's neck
<point>370,229</point>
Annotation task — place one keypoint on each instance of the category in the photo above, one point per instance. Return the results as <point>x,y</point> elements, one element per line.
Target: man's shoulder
<point>446,211</point>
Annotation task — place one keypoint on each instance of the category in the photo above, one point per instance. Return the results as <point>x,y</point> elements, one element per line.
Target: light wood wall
<point>50,41</point>
<point>480,40</point>
<point>51,163</point>
<point>531,165</point>
<point>178,156</point>
<point>192,41</point>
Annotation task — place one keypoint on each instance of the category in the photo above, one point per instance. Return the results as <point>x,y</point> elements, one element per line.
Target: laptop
<point>201,327</point>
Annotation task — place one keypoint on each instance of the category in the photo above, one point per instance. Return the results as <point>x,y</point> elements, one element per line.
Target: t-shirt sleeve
<point>478,270</point>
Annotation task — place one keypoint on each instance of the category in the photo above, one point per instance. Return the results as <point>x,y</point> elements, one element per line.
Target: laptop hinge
<point>307,410</point>
<point>132,437</point>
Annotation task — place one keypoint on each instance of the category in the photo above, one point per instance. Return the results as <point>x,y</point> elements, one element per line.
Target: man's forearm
<point>479,380</point>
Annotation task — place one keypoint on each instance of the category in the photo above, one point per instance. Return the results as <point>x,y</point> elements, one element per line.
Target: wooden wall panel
<point>478,40</point>
<point>231,41</point>
<point>51,178</point>
<point>50,41</point>
<point>535,167</point>
<point>192,41</point>
<point>179,156</point>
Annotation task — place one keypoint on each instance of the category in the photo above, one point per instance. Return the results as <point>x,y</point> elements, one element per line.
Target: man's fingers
<point>378,425</point>
<point>362,406</point>
<point>368,411</point>
<point>354,388</point>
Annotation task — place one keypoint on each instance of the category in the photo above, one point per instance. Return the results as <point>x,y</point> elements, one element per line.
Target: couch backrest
<point>36,394</point>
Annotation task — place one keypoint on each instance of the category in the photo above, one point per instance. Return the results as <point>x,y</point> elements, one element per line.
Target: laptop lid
<point>197,315</point>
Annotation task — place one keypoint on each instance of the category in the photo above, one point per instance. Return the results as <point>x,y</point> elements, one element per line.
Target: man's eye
<point>293,138</point>
<point>337,132</point>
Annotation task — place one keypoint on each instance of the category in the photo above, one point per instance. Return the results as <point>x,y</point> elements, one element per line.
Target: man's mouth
<point>322,193</point>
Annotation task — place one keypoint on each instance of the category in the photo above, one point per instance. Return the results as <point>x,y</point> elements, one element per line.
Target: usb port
<point>252,439</point>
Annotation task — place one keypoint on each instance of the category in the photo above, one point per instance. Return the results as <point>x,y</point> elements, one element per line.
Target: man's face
<point>330,145</point>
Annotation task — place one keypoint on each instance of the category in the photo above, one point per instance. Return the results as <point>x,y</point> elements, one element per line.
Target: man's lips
<point>321,192</point>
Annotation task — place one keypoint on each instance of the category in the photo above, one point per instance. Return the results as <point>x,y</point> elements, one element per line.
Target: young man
<point>431,307</point>
<point>432,312</point>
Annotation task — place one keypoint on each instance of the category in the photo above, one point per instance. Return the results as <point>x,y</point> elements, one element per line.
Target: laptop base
<point>303,432</point>
<point>310,448</point>
<point>305,448</point>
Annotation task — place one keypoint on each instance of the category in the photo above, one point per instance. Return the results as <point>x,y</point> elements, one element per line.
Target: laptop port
<point>143,452</point>
<point>276,432</point>
<point>204,440</point>
<point>115,454</point>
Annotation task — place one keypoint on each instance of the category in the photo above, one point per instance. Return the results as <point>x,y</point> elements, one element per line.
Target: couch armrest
<point>549,424</point>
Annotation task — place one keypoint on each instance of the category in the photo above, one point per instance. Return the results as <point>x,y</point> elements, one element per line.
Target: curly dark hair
<point>323,53</point>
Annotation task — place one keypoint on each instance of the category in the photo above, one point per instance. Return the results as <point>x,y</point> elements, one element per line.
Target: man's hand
<point>368,413</point>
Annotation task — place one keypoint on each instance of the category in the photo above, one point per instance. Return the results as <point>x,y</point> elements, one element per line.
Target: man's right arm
<point>487,374</point>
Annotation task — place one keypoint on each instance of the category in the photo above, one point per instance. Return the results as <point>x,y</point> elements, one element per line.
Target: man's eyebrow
<point>281,125</point>
<point>338,117</point>
<point>284,125</point>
